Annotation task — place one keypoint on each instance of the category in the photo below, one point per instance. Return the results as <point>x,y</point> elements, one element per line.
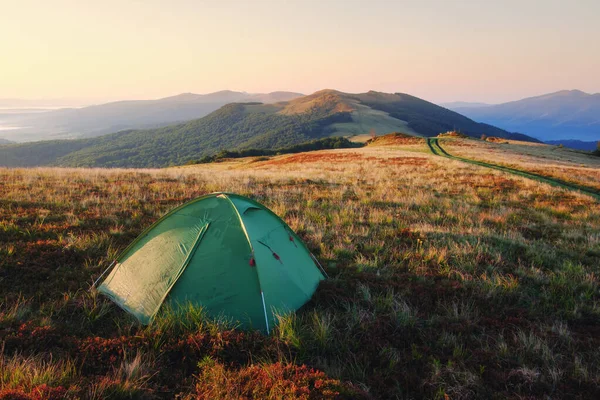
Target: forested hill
<point>430,119</point>
<point>234,126</point>
<point>241,126</point>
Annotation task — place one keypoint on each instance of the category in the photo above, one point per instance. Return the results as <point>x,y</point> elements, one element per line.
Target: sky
<point>443,50</point>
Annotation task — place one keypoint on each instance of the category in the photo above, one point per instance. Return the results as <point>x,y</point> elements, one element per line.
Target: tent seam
<point>252,250</point>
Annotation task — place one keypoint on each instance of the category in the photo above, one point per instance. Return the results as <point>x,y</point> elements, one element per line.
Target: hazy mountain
<point>133,114</point>
<point>42,103</point>
<point>568,114</point>
<point>5,141</point>
<point>252,125</point>
<point>459,104</point>
<point>575,144</point>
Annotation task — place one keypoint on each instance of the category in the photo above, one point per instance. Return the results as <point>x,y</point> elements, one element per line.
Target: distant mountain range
<point>568,114</point>
<point>106,118</point>
<point>42,103</point>
<point>5,141</point>
<point>252,125</point>
<point>463,104</point>
<point>575,144</point>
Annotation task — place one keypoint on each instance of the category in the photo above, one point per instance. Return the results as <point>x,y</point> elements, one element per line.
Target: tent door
<point>187,260</point>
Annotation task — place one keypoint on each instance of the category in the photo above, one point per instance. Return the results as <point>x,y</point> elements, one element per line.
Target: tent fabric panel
<point>287,282</point>
<point>219,276</point>
<point>299,265</point>
<point>246,207</point>
<point>144,275</point>
<point>255,217</point>
<point>281,294</point>
<point>287,273</point>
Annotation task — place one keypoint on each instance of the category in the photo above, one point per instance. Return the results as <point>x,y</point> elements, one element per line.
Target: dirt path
<point>436,149</point>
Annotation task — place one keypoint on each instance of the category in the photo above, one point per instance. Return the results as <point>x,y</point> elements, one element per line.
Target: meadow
<point>447,280</point>
<point>557,162</point>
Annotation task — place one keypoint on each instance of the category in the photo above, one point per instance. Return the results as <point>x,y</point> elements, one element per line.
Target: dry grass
<point>446,279</point>
<point>562,163</point>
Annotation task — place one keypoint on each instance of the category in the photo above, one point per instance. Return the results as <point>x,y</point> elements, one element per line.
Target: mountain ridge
<point>575,144</point>
<point>100,119</point>
<point>239,126</point>
<point>562,115</point>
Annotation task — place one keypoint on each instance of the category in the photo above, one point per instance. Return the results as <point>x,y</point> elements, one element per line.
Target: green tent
<point>224,252</point>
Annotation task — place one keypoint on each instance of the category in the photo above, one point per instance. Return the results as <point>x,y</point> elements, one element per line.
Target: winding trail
<point>438,150</point>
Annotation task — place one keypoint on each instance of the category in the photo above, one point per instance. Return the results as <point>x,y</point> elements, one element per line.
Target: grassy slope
<point>577,167</point>
<point>446,278</point>
<point>364,119</point>
<point>238,126</point>
<point>437,149</point>
<point>430,119</point>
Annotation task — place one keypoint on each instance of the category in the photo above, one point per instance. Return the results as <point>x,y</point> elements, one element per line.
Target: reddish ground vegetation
<point>316,157</point>
<point>420,161</point>
<point>41,392</point>
<point>343,158</point>
<point>397,139</point>
<point>267,382</point>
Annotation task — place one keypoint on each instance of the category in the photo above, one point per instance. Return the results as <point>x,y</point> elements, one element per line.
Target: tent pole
<point>319,265</point>
<point>105,271</point>
<point>262,294</point>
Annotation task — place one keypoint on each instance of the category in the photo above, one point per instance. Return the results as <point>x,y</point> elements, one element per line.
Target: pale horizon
<point>82,102</point>
<point>436,50</point>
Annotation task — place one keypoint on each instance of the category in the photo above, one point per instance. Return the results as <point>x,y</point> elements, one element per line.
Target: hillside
<point>252,125</point>
<point>447,280</point>
<point>568,114</point>
<point>456,104</point>
<point>235,126</point>
<point>427,118</point>
<point>568,165</point>
<point>134,114</point>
